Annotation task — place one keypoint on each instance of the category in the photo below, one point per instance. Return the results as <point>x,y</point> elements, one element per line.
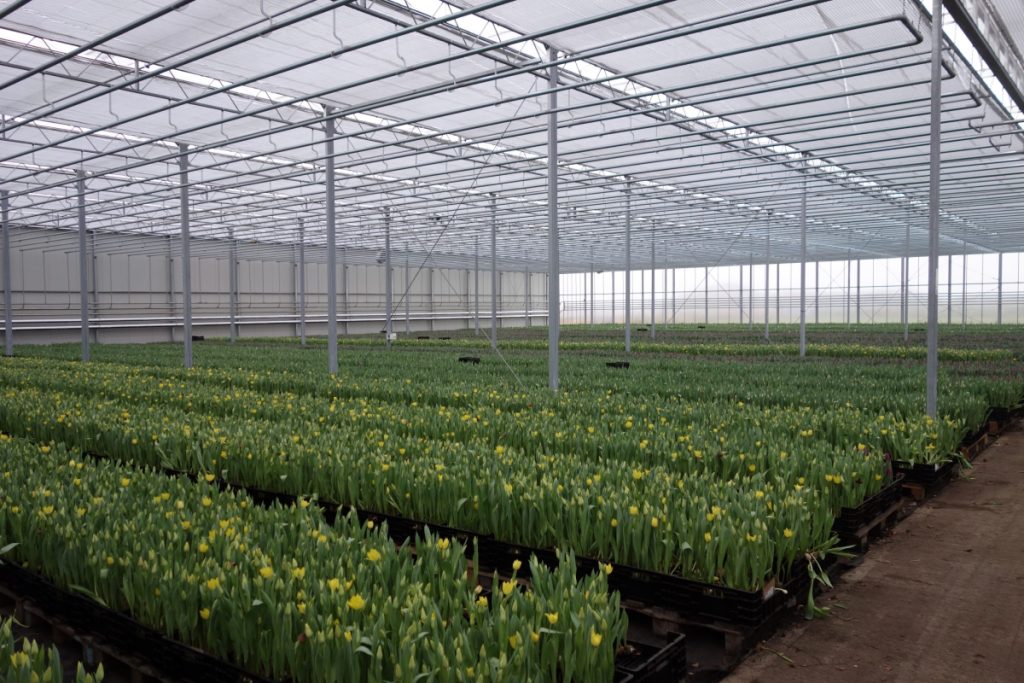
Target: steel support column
<point>856,305</point>
<point>232,286</point>
<point>750,306</point>
<point>526,296</point>
<point>674,295</point>
<point>5,218</point>
<point>554,303</point>
<point>932,381</point>
<point>388,288</point>
<point>803,270</point>
<point>849,286</point>
<point>83,272</point>
<point>741,294</point>
<point>778,293</point>
<point>949,289</point>
<point>494,272</point>
<point>332,249</point>
<point>629,216</point>
<point>592,290</point>
<point>476,284</point>
<point>906,285</point>
<point>963,292</point>
<point>302,282</point>
<point>186,253</point>
<point>408,295</point>
<point>998,293</point>
<point>706,296</point>
<point>817,290</point>
<point>767,281</point>
<point>653,285</point>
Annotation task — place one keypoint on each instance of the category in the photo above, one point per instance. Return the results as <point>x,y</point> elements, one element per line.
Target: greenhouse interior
<point>605,341</point>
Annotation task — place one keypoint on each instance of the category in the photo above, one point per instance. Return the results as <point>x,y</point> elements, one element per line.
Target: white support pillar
<point>750,306</point>
<point>857,304</point>
<point>906,284</point>
<point>963,293</point>
<point>94,297</point>
<point>171,304</point>
<point>186,253</point>
<point>408,295</point>
<point>998,293</point>
<point>932,382</point>
<point>430,299</point>
<point>232,285</point>
<point>613,296</point>
<point>706,296</point>
<point>643,299</point>
<point>476,284</point>
<point>302,282</point>
<point>388,288</point>
<point>849,286</point>
<point>629,265</point>
<point>674,295</point>
<point>664,296</point>
<point>554,300</point>
<point>332,248</point>
<point>5,218</point>
<point>592,291</point>
<point>741,294</point>
<point>817,290</point>
<point>653,286</point>
<point>494,272</point>
<point>345,308</point>
<point>803,270</point>
<point>778,295</point>
<point>767,280</point>
<point>949,289</point>
<point>83,273</point>
<point>526,295</point>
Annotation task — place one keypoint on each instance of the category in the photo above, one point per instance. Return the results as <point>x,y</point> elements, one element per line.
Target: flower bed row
<point>282,593</point>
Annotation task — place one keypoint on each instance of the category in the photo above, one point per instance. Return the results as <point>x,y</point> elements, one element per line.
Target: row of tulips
<point>647,432</point>
<point>26,661</point>
<point>737,511</point>
<point>281,593</point>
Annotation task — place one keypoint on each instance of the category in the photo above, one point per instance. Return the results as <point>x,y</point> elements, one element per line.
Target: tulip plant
<point>25,661</point>
<point>281,593</point>
<point>725,472</point>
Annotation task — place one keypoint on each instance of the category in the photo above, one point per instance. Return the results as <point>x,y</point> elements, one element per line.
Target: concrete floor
<point>940,601</point>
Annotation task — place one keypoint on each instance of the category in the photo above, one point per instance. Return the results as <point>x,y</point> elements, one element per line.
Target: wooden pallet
<point>874,528</point>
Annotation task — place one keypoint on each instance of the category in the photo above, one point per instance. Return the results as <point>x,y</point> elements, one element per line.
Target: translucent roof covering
<point>707,119</point>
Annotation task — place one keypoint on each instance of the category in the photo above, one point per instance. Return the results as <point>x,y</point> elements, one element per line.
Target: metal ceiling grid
<point>716,113</point>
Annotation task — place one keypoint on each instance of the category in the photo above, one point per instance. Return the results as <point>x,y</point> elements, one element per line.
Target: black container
<point>117,634</point>
<point>924,474</point>
<point>475,360</point>
<point>697,601</point>
<point>642,663</point>
<point>423,337</point>
<point>852,519</point>
<point>622,364</point>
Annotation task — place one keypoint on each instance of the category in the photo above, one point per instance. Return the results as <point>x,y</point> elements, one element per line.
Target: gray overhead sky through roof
<point>717,112</point>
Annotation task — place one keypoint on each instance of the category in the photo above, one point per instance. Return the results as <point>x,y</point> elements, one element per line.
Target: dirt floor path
<point>940,601</point>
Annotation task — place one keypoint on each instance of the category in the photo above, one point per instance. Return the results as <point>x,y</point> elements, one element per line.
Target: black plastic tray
<point>642,663</point>
<point>852,519</point>
<point>119,635</point>
<point>924,474</point>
